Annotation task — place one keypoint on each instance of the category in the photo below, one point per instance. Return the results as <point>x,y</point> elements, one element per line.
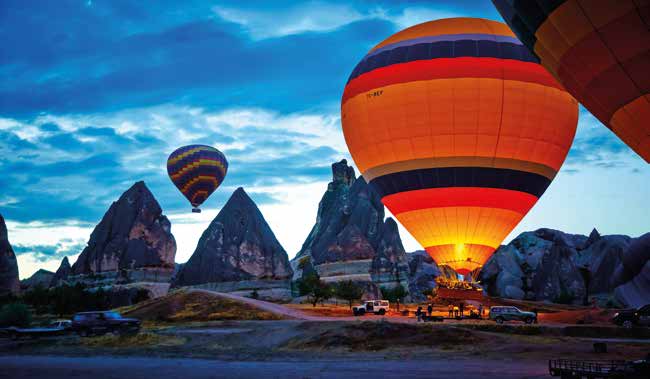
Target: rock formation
<point>133,239</point>
<point>40,278</point>
<point>549,265</point>
<point>632,277</point>
<point>351,240</point>
<point>8,265</point>
<point>62,273</point>
<point>422,273</point>
<point>238,252</point>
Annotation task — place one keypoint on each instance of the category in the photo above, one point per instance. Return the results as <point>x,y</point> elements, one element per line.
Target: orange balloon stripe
<point>459,25</point>
<point>515,201</point>
<point>465,257</point>
<point>455,225</point>
<point>479,117</point>
<point>177,158</point>
<point>446,68</point>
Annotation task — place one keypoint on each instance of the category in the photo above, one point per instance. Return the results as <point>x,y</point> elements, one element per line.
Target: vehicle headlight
<point>616,314</point>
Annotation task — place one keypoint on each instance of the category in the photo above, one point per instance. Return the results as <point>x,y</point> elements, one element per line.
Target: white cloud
<point>308,17</point>
<point>319,17</point>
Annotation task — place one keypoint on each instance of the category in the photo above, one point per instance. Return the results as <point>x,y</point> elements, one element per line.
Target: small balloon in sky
<point>197,171</point>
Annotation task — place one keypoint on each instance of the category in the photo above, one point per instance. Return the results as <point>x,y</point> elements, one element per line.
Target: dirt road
<point>32,367</point>
<point>297,314</point>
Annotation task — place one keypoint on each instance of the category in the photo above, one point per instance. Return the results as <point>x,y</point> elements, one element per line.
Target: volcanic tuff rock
<point>132,235</point>
<point>61,273</point>
<point>39,278</point>
<point>632,276</point>
<point>238,252</point>
<point>8,265</point>
<point>351,240</point>
<point>551,265</point>
<point>422,273</point>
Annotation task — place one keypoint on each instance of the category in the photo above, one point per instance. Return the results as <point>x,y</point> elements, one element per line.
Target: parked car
<point>509,313</point>
<point>56,328</point>
<point>378,307</point>
<point>89,323</point>
<point>633,317</point>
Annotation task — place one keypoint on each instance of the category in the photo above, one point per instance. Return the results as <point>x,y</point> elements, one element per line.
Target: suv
<point>633,317</point>
<point>501,314</point>
<point>378,307</point>
<point>89,323</point>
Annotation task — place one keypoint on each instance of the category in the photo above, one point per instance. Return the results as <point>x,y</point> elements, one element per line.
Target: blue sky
<point>96,94</point>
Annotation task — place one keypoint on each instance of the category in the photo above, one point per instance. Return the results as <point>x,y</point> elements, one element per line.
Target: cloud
<point>307,17</point>
<point>319,17</point>
<point>596,146</point>
<point>76,165</point>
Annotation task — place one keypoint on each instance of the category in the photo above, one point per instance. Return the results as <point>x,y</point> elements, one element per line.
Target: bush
<point>565,297</point>
<point>16,314</point>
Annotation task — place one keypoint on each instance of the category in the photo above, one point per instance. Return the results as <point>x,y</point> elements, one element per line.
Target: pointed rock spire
<point>237,246</point>
<point>132,234</point>
<point>9,282</point>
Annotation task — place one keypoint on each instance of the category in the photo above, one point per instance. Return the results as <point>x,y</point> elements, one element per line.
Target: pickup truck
<point>89,323</point>
<point>56,328</point>
<point>633,317</point>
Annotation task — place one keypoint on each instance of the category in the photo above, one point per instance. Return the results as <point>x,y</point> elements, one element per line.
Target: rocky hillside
<point>62,273</point>
<point>631,279</point>
<point>238,252</point>
<point>350,239</point>
<point>8,265</point>
<point>40,278</point>
<point>550,265</point>
<point>133,237</point>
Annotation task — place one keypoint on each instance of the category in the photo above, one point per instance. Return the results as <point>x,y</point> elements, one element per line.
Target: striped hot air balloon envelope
<point>600,51</point>
<point>197,171</point>
<point>459,130</point>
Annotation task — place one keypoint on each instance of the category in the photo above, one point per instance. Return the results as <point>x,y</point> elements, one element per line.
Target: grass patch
<point>188,306</point>
<point>374,336</point>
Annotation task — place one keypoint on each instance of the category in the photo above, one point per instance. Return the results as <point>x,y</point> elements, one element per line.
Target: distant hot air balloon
<point>600,51</point>
<point>197,171</point>
<point>459,130</point>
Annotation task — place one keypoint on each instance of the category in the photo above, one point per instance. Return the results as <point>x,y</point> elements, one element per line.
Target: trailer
<point>55,329</point>
<point>597,369</point>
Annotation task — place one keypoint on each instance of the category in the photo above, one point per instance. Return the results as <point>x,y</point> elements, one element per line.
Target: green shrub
<point>16,314</point>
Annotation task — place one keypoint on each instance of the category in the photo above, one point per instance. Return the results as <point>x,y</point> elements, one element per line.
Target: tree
<point>314,288</point>
<point>16,314</point>
<point>348,291</point>
<point>395,294</point>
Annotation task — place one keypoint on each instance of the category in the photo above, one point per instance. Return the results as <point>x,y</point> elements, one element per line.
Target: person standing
<point>462,308</point>
<point>429,310</point>
<point>480,311</point>
<point>418,313</point>
<point>451,311</point>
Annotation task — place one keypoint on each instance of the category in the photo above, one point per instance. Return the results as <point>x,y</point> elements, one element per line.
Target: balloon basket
<point>196,210</point>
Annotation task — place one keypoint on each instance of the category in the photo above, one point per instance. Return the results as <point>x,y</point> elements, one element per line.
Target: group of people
<point>456,311</point>
<point>419,313</point>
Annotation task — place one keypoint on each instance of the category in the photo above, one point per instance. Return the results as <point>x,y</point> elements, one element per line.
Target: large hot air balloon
<point>600,51</point>
<point>197,171</point>
<point>459,130</point>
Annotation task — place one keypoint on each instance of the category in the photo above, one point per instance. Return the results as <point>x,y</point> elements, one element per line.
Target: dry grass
<point>375,336</point>
<point>187,306</point>
<point>135,340</point>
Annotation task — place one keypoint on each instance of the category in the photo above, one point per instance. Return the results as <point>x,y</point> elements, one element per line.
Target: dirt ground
<point>347,340</point>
